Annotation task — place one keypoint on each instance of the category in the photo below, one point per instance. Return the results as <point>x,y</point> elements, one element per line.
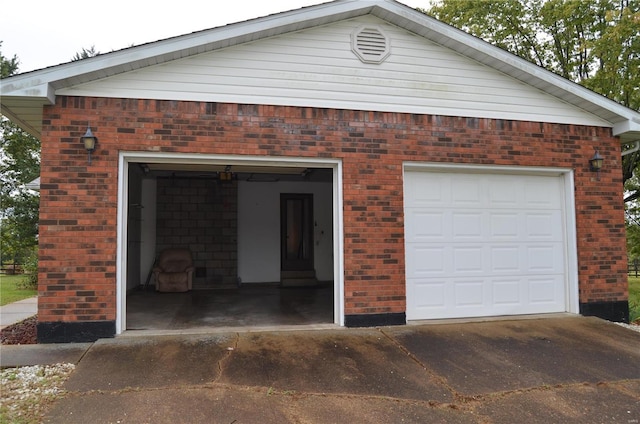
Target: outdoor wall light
<point>89,140</point>
<point>595,163</point>
<point>226,175</point>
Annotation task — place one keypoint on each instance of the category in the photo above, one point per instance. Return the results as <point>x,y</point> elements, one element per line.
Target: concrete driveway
<point>552,370</point>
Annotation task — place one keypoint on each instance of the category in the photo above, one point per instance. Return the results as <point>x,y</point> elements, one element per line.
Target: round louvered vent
<point>370,44</point>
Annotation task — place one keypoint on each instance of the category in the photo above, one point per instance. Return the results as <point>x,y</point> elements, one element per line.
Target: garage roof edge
<point>42,83</point>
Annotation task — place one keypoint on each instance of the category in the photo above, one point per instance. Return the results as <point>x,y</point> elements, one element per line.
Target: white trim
<point>121,246</point>
<point>233,160</point>
<point>338,245</point>
<point>178,158</point>
<point>572,301</point>
<point>484,169</point>
<point>573,291</point>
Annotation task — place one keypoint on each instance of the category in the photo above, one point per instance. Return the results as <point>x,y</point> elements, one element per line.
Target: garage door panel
<point>426,261</point>
<point>502,193</point>
<point>508,293</point>
<point>468,259</point>
<point>501,251</point>
<point>542,192</point>
<point>544,290</point>
<point>545,259</point>
<point>467,225</point>
<point>544,225</point>
<point>429,225</point>
<point>465,298</point>
<point>505,226</point>
<point>428,295</point>
<point>469,293</point>
<point>466,192</point>
<point>506,259</point>
<point>435,224</point>
<point>423,190</point>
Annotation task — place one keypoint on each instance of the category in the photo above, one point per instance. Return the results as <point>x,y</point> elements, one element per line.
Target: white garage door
<point>484,244</point>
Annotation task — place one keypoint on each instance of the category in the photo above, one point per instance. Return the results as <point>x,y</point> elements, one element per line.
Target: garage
<point>488,242</point>
<point>235,232</point>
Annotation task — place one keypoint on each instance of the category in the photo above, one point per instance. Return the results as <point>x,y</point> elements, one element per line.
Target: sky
<point>44,33</point>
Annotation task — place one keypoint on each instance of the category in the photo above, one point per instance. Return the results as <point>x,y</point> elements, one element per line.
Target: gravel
<point>634,327</point>
<point>28,391</point>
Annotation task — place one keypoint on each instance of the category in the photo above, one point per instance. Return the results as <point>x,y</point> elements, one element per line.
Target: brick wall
<point>200,214</point>
<point>78,213</point>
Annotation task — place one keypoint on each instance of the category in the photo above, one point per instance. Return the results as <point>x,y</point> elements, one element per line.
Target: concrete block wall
<point>201,215</point>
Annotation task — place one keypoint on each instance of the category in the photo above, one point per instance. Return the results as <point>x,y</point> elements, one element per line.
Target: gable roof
<point>24,95</point>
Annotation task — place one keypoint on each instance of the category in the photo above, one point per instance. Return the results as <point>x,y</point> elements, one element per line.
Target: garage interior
<point>231,219</point>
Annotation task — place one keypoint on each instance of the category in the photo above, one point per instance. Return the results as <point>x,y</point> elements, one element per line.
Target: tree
<point>592,42</point>
<point>8,66</point>
<point>85,54</point>
<point>595,43</point>
<point>632,213</point>
<point>19,165</point>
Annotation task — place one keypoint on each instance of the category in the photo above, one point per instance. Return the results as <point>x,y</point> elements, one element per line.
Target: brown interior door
<point>296,231</point>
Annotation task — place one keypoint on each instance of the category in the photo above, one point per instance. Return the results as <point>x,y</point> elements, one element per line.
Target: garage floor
<point>260,305</point>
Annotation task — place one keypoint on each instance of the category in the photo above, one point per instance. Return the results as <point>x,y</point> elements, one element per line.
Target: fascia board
<point>67,74</point>
<point>24,86</point>
<point>507,63</point>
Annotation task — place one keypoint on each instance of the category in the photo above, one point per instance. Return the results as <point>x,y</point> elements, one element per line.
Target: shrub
<point>30,266</point>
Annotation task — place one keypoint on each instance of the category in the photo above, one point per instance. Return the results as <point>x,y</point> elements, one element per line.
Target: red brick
<point>79,201</point>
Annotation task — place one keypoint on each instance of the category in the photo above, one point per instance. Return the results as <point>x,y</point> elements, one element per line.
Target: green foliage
<point>8,66</point>
<point>634,299</point>
<point>509,24</point>
<point>30,268</point>
<point>632,215</point>
<point>12,291</point>
<point>19,207</point>
<point>595,43</point>
<point>19,165</point>
<point>617,51</point>
<point>85,54</point>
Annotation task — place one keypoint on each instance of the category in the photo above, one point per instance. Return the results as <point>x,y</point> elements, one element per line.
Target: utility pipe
<point>633,149</point>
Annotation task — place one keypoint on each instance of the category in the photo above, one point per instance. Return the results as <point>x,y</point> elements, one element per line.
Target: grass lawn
<point>10,290</point>
<point>634,298</point>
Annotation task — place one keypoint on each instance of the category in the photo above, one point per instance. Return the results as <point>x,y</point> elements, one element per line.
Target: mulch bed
<point>23,332</point>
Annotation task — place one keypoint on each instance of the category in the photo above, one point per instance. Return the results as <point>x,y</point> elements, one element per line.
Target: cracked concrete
<point>567,370</point>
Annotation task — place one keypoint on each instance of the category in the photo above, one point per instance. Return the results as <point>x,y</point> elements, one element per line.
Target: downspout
<point>633,149</point>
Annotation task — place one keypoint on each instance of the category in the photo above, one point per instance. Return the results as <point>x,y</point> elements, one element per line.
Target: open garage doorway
<point>227,213</point>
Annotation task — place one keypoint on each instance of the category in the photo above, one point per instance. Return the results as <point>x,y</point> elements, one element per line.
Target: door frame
<point>125,158</point>
<point>307,231</point>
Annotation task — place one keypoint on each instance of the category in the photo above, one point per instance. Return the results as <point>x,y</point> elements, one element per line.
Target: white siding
<point>317,68</point>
